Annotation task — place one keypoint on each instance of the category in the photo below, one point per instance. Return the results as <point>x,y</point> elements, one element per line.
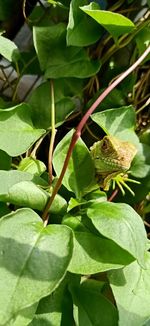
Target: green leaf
<point>147,323</point>
<point>93,254</point>
<point>4,209</point>
<point>81,29</point>
<point>96,196</point>
<point>5,104</point>
<point>74,222</point>
<point>27,194</point>
<point>10,178</point>
<point>7,9</point>
<point>141,192</point>
<point>53,2</point>
<point>145,137</point>
<point>92,196</point>
<point>24,316</point>
<point>117,97</point>
<point>54,307</point>
<point>31,165</point>
<point>141,163</point>
<point>80,171</point>
<point>40,102</point>
<point>114,23</point>
<point>56,59</point>
<point>33,261</point>
<point>131,288</point>
<point>91,308</point>
<point>118,122</point>
<point>57,3</point>
<point>45,319</point>
<point>143,41</point>
<point>73,202</point>
<point>5,161</point>
<point>28,63</point>
<point>17,133</point>
<point>8,49</point>
<point>120,223</point>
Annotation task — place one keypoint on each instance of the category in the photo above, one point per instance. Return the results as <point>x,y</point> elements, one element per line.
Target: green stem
<point>6,83</point>
<point>82,123</point>
<point>53,133</point>
<point>116,6</point>
<point>37,145</point>
<point>20,76</point>
<point>143,106</point>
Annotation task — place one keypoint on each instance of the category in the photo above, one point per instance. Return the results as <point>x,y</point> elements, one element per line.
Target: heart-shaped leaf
<point>120,223</point>
<point>33,261</point>
<point>81,29</point>
<point>118,122</point>
<point>80,171</point>
<point>17,133</point>
<point>31,165</point>
<point>8,49</point>
<point>40,102</point>
<point>27,194</point>
<point>114,23</point>
<point>55,309</point>
<point>58,60</point>
<point>91,308</point>
<point>131,289</point>
<point>92,254</point>
<point>10,178</point>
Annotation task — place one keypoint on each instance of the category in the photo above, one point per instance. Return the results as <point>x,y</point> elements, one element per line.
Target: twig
<point>143,106</point>
<point>20,76</point>
<point>147,224</point>
<point>113,195</point>
<point>37,145</point>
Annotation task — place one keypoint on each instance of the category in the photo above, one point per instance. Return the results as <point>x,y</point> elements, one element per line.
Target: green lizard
<point>112,157</point>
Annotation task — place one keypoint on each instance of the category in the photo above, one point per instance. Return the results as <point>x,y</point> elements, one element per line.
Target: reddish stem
<point>74,139</point>
<point>113,195</point>
<point>83,121</point>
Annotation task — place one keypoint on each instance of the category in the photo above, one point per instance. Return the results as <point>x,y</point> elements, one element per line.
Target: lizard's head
<point>111,154</point>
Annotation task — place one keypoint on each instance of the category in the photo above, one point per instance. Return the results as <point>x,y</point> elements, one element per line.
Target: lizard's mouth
<point>114,163</point>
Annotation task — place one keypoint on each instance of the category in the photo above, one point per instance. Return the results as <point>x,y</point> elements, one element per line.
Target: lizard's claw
<point>121,180</point>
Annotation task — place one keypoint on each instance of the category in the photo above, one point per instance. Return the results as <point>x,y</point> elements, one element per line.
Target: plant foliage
<point>73,254</point>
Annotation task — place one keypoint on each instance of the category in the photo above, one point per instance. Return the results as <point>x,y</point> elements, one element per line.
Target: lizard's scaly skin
<point>111,157</point>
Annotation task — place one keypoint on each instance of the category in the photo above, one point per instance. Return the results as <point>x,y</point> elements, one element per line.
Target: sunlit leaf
<point>120,223</point>
<point>114,23</point>
<point>33,261</point>
<point>131,289</point>
<point>17,133</point>
<point>8,49</point>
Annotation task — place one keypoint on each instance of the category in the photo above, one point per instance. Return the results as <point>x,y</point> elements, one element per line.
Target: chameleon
<point>111,157</point>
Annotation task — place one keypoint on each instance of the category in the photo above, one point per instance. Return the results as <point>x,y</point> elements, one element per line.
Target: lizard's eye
<point>104,144</point>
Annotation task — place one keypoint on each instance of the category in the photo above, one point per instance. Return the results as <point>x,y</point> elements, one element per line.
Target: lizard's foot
<point>121,180</point>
